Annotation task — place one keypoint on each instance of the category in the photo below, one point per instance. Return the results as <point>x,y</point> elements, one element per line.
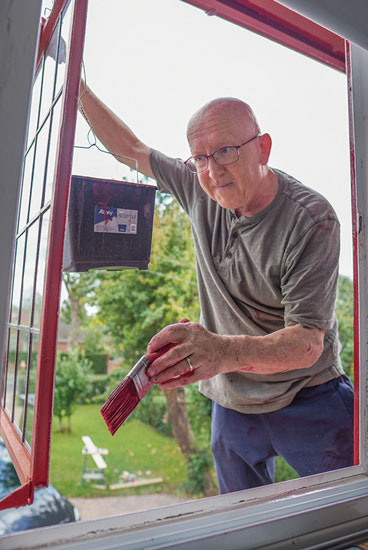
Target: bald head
<point>229,107</point>
<point>242,182</point>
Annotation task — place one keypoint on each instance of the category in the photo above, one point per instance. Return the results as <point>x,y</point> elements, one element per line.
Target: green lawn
<point>136,448</point>
<point>283,472</point>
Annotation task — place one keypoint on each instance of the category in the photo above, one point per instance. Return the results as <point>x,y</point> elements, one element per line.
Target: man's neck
<point>268,190</point>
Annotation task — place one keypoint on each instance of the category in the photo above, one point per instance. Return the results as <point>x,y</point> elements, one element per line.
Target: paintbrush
<point>128,394</point>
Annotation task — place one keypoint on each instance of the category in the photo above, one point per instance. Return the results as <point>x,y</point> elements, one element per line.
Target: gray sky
<point>155,62</point>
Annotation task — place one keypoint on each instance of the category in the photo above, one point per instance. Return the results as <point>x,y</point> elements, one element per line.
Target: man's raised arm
<point>116,136</point>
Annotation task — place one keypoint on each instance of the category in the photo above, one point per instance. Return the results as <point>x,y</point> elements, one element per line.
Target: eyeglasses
<point>223,156</point>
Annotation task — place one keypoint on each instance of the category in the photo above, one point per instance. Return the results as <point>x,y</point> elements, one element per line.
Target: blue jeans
<point>313,434</point>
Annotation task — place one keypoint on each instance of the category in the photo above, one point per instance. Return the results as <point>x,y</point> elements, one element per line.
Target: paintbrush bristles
<point>131,390</point>
<point>120,404</point>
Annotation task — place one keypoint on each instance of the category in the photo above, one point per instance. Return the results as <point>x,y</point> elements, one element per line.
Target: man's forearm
<point>116,136</point>
<point>287,349</point>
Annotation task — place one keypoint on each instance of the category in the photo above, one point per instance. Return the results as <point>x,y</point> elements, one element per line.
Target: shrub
<point>345,315</point>
<point>98,389</point>
<point>199,410</point>
<point>196,468</point>
<point>98,362</point>
<point>22,356</point>
<point>72,385</point>
<point>153,411</point>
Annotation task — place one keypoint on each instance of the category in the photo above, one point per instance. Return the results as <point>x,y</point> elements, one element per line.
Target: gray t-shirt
<point>260,274</point>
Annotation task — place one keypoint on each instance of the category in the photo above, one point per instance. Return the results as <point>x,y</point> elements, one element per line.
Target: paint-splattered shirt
<point>260,274</point>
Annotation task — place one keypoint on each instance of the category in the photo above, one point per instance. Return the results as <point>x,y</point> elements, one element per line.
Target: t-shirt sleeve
<point>173,177</point>
<point>310,276</point>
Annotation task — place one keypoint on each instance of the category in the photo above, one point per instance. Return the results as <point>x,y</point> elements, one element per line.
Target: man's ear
<point>266,144</point>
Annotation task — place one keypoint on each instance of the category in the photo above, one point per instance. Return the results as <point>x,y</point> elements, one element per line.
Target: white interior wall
<point>19,25</point>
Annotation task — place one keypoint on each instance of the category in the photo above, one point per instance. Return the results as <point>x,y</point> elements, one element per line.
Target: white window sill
<point>293,516</point>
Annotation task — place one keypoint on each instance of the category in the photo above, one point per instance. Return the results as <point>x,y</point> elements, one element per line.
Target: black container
<point>109,225</point>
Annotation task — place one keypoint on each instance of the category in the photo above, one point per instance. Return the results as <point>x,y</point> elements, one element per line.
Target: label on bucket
<point>115,220</point>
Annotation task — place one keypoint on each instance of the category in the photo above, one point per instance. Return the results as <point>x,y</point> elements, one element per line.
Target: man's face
<point>234,186</point>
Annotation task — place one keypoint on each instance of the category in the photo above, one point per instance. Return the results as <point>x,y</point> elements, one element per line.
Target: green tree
<point>72,384</point>
<point>134,305</point>
<point>345,315</point>
<point>80,290</point>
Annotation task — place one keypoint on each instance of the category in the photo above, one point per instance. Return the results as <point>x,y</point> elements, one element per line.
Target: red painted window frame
<point>32,466</point>
<point>280,24</point>
<point>355,243</point>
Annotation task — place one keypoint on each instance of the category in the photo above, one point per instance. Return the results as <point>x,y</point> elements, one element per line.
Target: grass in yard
<point>136,448</point>
<point>283,472</point>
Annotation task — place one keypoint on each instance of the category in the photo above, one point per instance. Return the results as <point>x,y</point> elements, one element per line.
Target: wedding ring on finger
<point>190,364</point>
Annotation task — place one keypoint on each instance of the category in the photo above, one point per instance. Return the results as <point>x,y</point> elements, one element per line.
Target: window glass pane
<point>31,389</point>
<point>5,373</point>
<point>9,380</point>
<point>49,75</point>
<point>26,186</point>
<point>35,107</point>
<point>46,8</point>
<point>29,273</point>
<point>52,151</point>
<point>17,280</point>
<point>39,169</point>
<point>12,347</point>
<point>21,379</point>
<point>64,46</point>
<point>41,269</point>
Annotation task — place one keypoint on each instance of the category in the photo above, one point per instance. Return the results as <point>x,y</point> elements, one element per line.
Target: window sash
<point>26,426</point>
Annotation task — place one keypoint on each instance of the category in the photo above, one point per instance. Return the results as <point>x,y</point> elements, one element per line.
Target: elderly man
<point>266,351</point>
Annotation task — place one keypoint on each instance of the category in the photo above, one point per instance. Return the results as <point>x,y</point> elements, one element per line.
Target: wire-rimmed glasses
<point>223,156</point>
